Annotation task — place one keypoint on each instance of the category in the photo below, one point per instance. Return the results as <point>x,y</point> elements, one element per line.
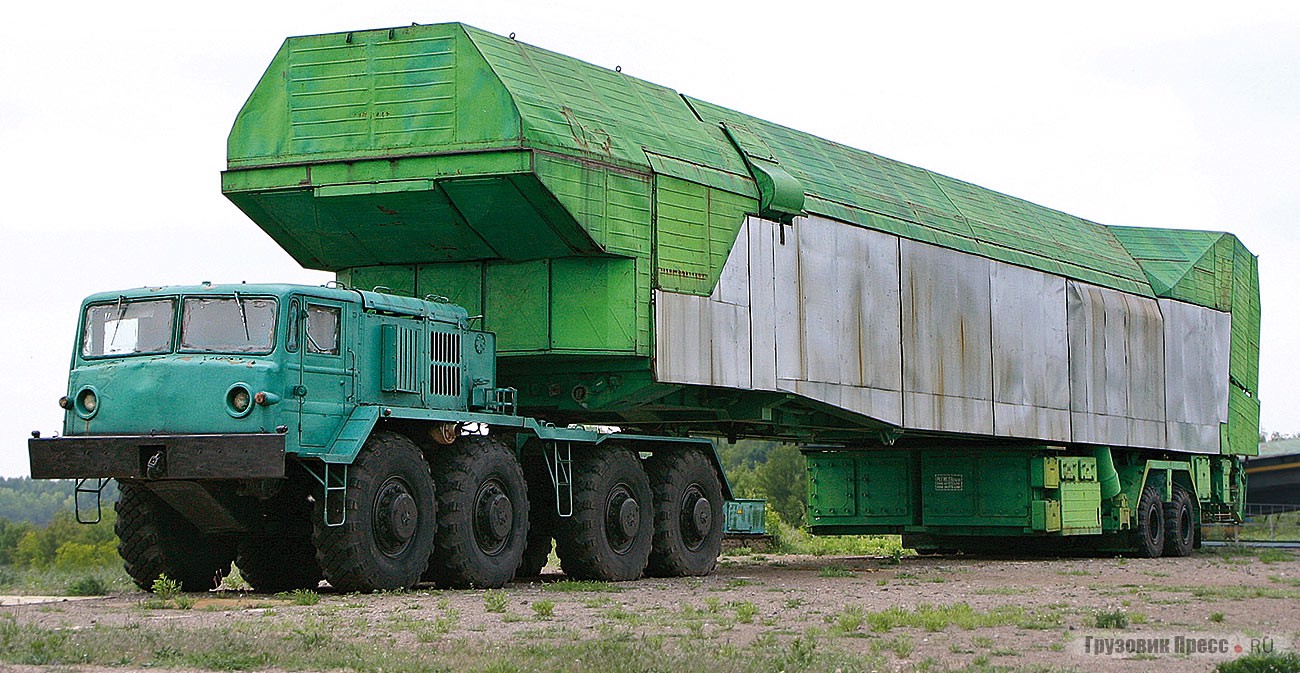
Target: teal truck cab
<point>310,433</point>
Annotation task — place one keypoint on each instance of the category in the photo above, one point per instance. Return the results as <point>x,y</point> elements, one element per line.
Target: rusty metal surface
<point>947,340</point>
<point>1031,391</point>
<point>1116,367</point>
<point>232,456</point>
<point>934,339</point>
<point>1196,365</point>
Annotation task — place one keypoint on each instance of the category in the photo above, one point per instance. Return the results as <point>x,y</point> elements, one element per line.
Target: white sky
<point>113,121</point>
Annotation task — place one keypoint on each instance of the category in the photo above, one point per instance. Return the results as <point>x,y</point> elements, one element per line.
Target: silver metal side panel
<point>947,340</point>
<point>1197,343</point>
<point>762,302</point>
<point>1031,391</point>
<point>1116,359</point>
<point>812,310</point>
<point>683,339</point>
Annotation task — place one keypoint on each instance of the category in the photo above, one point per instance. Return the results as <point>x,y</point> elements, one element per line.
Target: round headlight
<point>238,400</point>
<point>87,403</point>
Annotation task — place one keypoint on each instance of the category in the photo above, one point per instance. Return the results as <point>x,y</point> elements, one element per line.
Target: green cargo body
<point>651,260</point>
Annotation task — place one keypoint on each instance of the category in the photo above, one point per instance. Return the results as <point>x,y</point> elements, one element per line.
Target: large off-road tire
<point>1149,525</point>
<point>609,535</point>
<point>542,517</point>
<point>688,514</point>
<point>482,514</point>
<point>156,540</point>
<point>1180,524</point>
<point>388,534</point>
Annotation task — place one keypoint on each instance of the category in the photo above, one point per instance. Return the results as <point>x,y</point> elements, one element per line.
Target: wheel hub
<point>395,517</point>
<point>494,517</point>
<point>696,518</point>
<point>622,519</point>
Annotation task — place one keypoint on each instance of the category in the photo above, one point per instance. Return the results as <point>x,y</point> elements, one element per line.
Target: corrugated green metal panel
<point>579,108</point>
<point>1243,423</point>
<point>1244,364</point>
<point>860,187</point>
<point>373,93</point>
<point>695,228</point>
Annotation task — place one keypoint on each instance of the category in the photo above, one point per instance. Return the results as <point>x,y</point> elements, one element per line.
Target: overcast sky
<point>113,122</point>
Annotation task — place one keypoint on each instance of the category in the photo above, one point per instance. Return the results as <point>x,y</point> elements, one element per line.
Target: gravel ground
<point>927,613</point>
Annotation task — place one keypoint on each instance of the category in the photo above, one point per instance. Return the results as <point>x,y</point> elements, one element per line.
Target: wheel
<point>156,540</point>
<point>610,533</point>
<point>1149,527</point>
<point>1180,524</point>
<point>387,537</point>
<point>542,517</point>
<point>688,514</point>
<point>482,514</point>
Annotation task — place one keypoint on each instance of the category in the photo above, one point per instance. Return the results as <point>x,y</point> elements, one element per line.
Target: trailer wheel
<point>1149,531</point>
<point>612,528</point>
<point>483,514</point>
<point>156,540</point>
<point>688,514</point>
<point>542,517</point>
<point>388,535</point>
<point>1180,525</point>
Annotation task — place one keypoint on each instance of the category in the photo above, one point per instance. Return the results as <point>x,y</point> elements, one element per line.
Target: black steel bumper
<point>245,456</point>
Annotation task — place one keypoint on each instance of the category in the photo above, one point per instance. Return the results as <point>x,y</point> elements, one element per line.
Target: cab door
<point>324,376</point>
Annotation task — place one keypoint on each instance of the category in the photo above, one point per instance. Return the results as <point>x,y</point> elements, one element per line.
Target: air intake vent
<point>401,358</point>
<point>444,370</point>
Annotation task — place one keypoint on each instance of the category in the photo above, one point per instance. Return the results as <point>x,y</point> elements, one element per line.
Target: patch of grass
<point>1278,662</point>
<point>835,570</point>
<point>87,585</point>
<point>581,586</point>
<point>1289,581</point>
<point>849,619</point>
<point>1216,617</point>
<point>1275,556</point>
<point>544,609</point>
<point>166,588</point>
<point>745,611</point>
<point>1113,619</point>
<point>901,645</point>
<point>301,596</point>
<point>940,617</point>
<point>495,600</point>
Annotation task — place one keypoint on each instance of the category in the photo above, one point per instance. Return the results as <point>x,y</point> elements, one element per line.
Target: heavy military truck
<point>961,367</point>
<point>310,433</point>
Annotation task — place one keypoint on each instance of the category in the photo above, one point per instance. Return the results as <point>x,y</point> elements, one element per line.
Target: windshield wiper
<point>121,300</point>
<point>243,318</point>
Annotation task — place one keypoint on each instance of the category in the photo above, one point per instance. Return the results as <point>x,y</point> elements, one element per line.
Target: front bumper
<point>240,456</point>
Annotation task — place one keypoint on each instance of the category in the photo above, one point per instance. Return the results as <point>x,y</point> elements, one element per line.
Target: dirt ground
<point>1023,614</point>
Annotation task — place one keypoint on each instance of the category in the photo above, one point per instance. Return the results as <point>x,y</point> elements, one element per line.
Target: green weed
<point>544,609</point>
<point>1114,619</point>
<point>495,600</point>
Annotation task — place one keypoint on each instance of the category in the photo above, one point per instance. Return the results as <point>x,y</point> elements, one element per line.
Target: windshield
<point>128,327</point>
<point>228,324</point>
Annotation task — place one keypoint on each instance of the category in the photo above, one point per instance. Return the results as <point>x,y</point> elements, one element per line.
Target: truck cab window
<point>128,328</point>
<point>291,334</point>
<point>323,330</point>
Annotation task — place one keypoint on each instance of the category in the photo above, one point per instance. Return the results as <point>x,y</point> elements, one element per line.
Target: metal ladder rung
<point>332,482</point>
<point>559,463</point>
<point>98,490</point>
